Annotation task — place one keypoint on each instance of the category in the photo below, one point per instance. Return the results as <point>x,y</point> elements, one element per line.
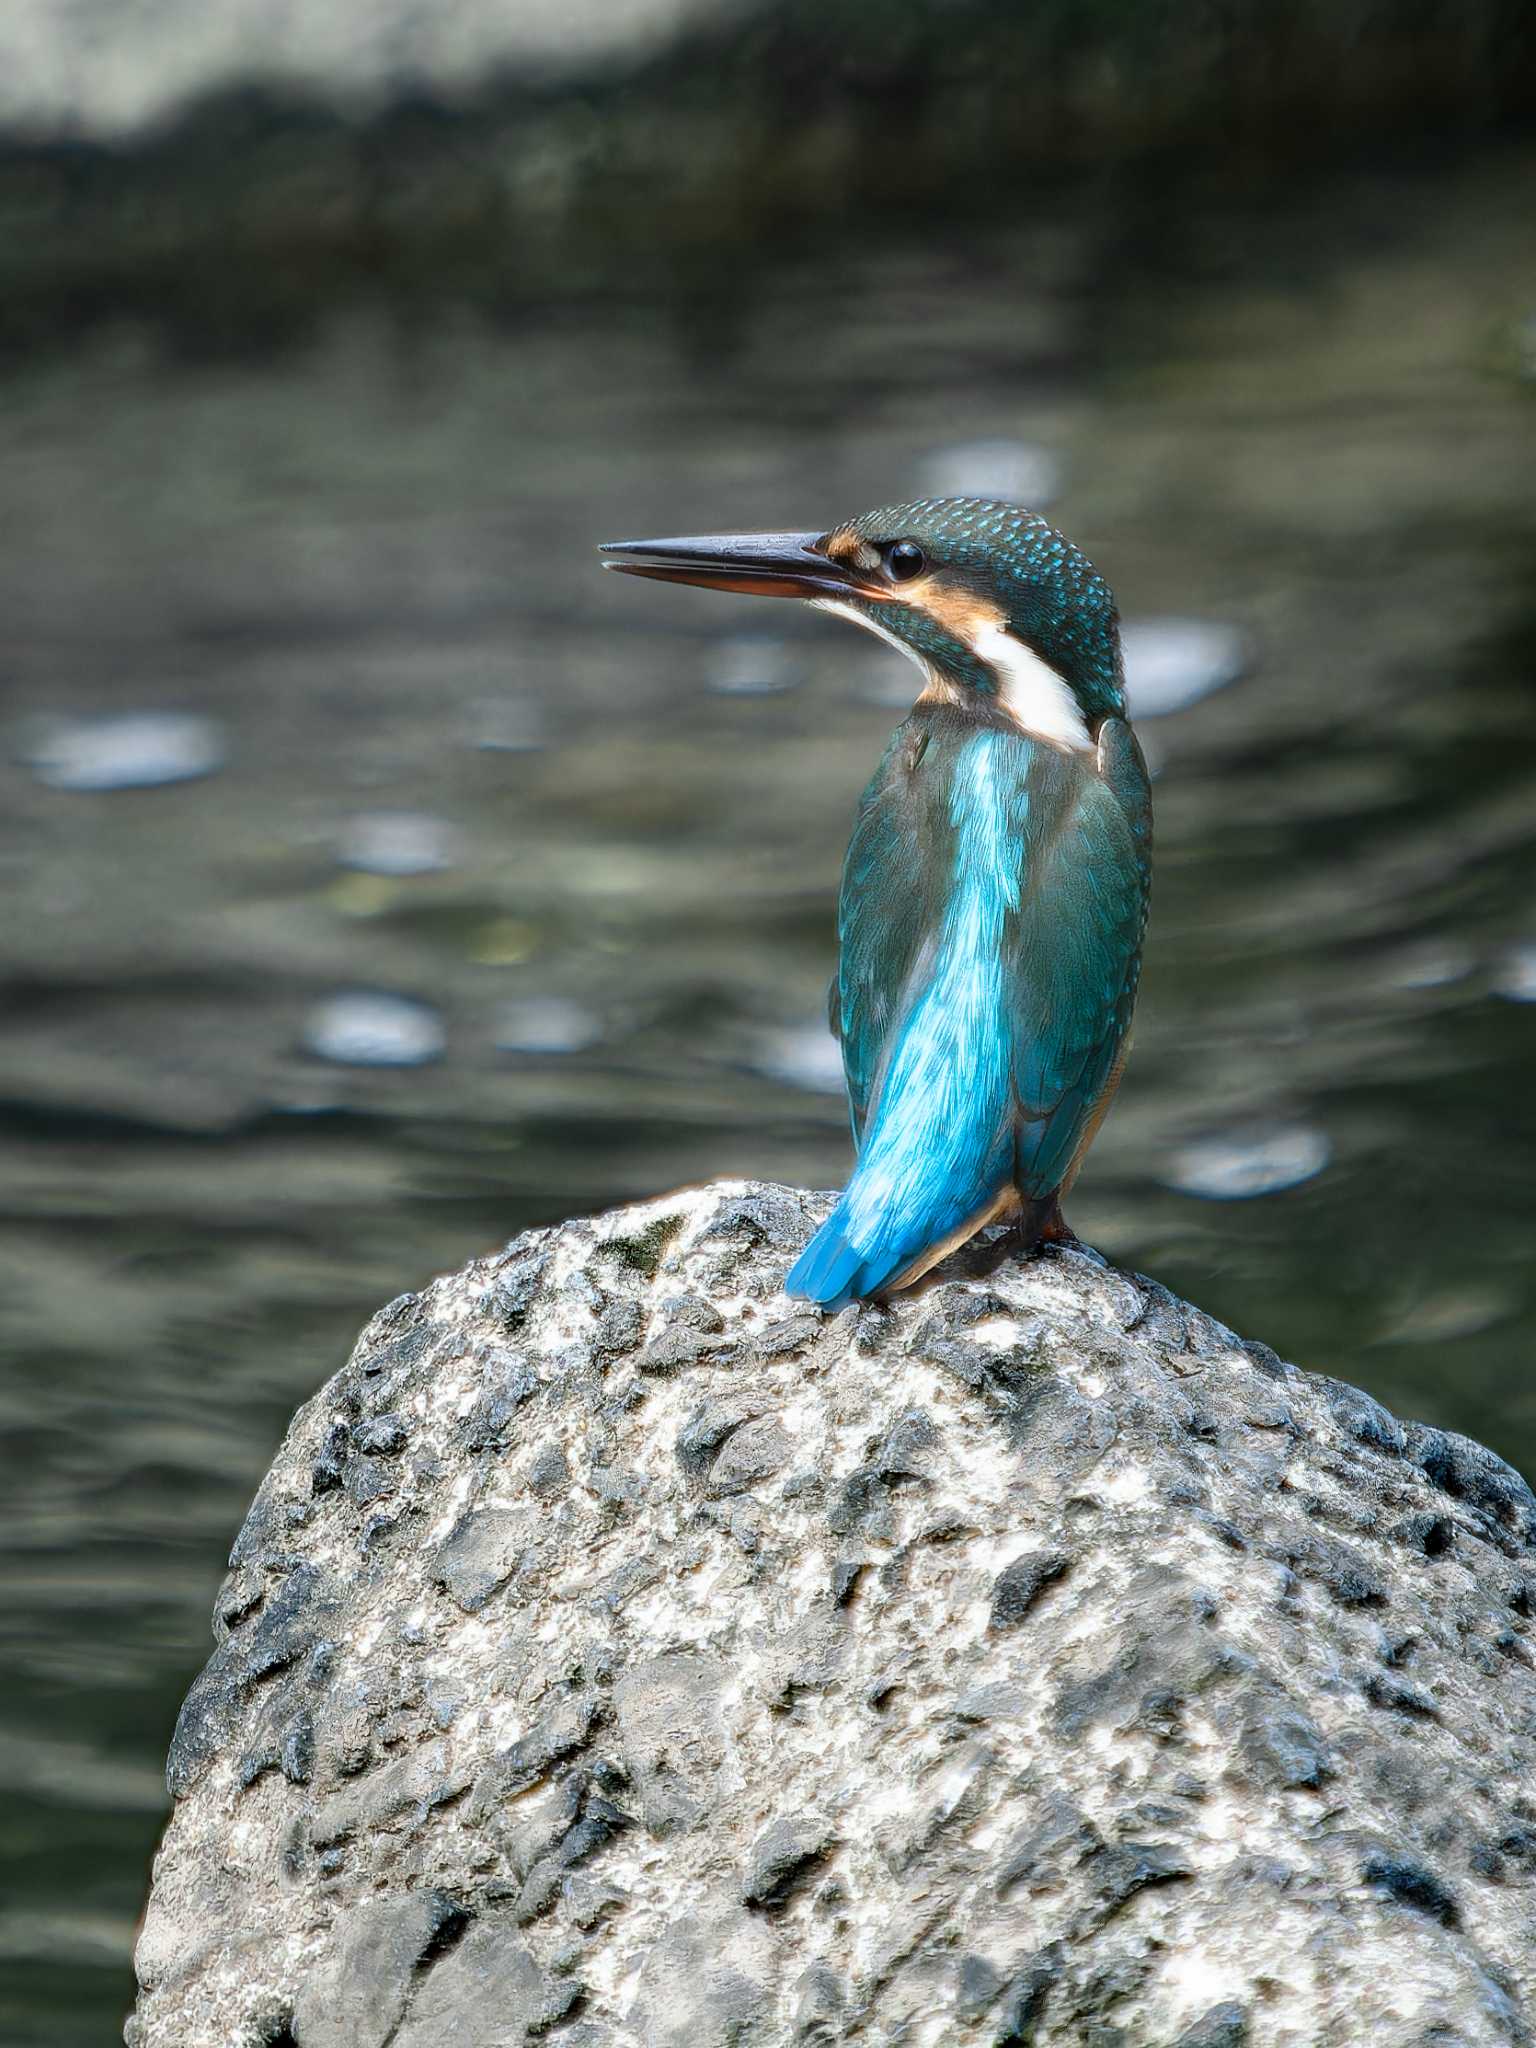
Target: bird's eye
<point>904,559</point>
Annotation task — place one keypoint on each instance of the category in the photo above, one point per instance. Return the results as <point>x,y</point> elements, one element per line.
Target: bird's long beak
<point>761,564</point>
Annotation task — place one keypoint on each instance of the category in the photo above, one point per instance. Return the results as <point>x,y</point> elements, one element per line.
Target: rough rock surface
<point>618,1653</point>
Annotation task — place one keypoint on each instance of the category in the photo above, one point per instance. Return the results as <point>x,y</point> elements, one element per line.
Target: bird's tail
<point>832,1271</point>
<point>938,1155</point>
<point>902,1212</point>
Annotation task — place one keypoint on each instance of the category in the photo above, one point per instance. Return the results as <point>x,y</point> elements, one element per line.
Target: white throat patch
<point>1037,699</point>
<point>1034,696</point>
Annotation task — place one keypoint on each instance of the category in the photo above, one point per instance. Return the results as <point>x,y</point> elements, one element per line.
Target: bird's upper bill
<point>760,564</point>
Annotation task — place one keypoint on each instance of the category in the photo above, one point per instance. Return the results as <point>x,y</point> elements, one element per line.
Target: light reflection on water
<point>131,750</point>
<point>1236,1166</point>
<point>276,1050</point>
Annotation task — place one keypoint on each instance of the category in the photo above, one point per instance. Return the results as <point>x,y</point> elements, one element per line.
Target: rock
<point>781,1858</point>
<point>356,1996</point>
<point>618,1656</point>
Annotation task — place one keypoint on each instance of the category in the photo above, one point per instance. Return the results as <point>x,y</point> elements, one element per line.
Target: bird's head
<point>992,603</point>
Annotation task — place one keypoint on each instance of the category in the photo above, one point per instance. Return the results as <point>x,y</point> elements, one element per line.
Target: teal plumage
<point>995,888</point>
<point>990,922</point>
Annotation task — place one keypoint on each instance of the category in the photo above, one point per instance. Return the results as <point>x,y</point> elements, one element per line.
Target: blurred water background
<point>380,878</point>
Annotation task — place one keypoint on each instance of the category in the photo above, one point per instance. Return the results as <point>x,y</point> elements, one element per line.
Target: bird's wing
<point>1073,954</point>
<point>887,915</point>
<point>1069,946</point>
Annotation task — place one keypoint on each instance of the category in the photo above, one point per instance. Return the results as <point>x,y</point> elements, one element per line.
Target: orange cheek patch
<point>961,613</point>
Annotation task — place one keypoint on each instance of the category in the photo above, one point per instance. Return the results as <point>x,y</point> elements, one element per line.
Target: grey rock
<point>705,1981</point>
<point>1224,2026</point>
<point>382,1435</point>
<point>508,1382</point>
<point>480,1556</point>
<point>487,1988</point>
<point>1031,1661</point>
<point>1019,1585</point>
<point>671,1730</point>
<point>820,2006</point>
<point>781,1858</point>
<point>356,1995</point>
<point>752,1454</point>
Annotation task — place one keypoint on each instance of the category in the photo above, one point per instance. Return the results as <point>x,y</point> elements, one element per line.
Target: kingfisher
<point>994,893</point>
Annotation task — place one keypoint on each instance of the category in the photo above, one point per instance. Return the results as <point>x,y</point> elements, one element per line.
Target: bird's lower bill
<point>757,564</point>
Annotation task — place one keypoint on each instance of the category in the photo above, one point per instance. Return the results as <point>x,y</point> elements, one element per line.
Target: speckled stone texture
<point>620,1654</point>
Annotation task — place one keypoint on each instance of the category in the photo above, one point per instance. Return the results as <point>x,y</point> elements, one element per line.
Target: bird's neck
<point>1019,689</point>
<point>971,659</point>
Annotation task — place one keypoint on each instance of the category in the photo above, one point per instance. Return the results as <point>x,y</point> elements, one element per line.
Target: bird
<point>995,889</point>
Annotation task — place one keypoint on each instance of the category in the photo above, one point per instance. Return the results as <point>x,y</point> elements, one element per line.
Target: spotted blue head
<point>996,607</point>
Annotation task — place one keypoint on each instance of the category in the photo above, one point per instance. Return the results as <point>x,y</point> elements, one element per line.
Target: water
<point>569,844</point>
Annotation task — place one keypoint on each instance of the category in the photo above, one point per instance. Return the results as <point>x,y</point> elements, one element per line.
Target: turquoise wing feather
<point>888,912</point>
<point>1074,959</point>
